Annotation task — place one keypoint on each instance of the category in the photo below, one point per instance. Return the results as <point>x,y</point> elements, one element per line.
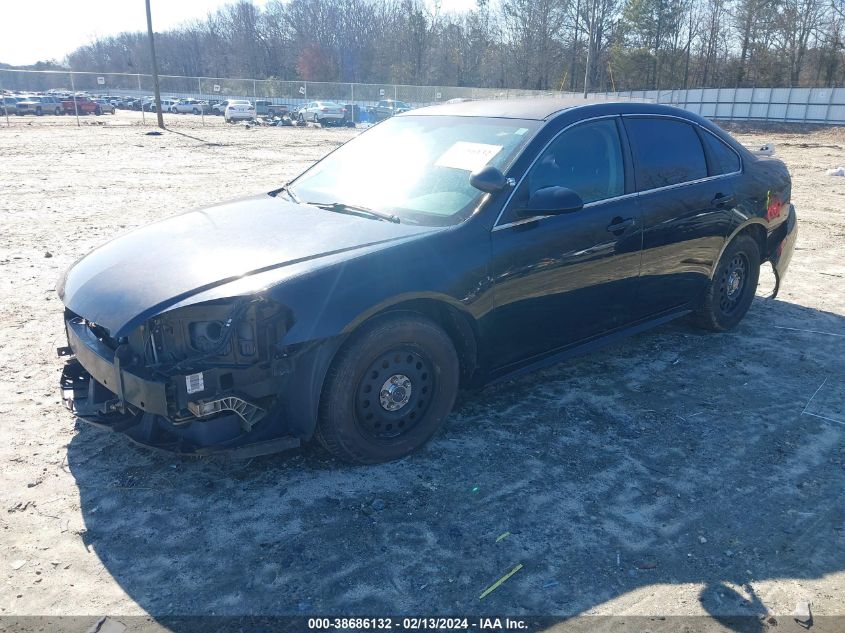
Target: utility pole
<point>159,114</point>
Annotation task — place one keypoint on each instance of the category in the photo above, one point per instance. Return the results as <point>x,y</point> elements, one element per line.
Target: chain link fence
<point>791,105</point>
<point>294,94</point>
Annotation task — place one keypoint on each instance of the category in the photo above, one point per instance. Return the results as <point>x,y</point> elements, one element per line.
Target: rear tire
<point>388,390</point>
<point>731,291</point>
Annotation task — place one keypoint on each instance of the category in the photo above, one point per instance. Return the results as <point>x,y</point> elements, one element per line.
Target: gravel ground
<point>675,473</point>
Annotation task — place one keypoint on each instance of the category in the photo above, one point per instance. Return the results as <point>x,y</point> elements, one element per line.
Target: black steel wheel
<point>388,389</point>
<point>732,283</point>
<point>731,290</point>
<point>394,393</point>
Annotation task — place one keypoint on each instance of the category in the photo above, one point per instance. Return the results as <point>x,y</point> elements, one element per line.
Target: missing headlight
<point>206,336</point>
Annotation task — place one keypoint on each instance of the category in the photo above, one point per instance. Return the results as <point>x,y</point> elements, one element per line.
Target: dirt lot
<point>674,473</point>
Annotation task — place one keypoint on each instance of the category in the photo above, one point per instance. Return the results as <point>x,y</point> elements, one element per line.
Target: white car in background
<point>166,105</point>
<point>323,112</point>
<point>189,106</point>
<point>239,109</point>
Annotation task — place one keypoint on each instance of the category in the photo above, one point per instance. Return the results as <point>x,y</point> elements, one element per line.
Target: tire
<point>731,291</point>
<point>301,118</point>
<point>98,111</point>
<point>58,112</point>
<point>195,111</point>
<point>359,420</point>
<point>39,112</point>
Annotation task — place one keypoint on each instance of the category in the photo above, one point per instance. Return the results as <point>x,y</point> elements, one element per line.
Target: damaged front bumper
<point>187,414</point>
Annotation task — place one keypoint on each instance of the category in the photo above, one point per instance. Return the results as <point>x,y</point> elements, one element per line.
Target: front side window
<point>415,167</point>
<point>586,159</point>
<point>666,152</point>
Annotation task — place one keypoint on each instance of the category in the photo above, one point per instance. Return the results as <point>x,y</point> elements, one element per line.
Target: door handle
<point>721,199</point>
<point>620,224</point>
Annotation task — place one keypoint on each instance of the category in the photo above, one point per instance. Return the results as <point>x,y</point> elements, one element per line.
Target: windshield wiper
<point>342,207</point>
<point>289,193</point>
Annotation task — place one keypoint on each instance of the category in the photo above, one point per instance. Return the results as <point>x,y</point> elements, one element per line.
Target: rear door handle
<point>721,199</point>
<point>620,224</point>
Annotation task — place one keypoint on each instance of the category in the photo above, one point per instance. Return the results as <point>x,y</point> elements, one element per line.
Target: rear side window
<point>666,152</point>
<point>723,159</point>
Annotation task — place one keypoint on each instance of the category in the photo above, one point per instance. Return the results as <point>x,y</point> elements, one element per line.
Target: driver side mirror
<point>488,179</point>
<point>552,201</point>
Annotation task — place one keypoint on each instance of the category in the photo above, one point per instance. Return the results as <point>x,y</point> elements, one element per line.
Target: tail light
<point>324,109</point>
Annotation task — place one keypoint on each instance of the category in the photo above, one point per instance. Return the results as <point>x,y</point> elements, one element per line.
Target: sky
<point>56,27</point>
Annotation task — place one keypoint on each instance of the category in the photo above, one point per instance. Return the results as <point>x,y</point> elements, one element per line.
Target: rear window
<point>723,159</point>
<point>666,152</point>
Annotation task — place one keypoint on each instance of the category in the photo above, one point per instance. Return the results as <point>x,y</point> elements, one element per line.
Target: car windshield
<point>415,167</point>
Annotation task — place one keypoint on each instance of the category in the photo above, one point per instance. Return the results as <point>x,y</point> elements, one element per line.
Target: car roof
<point>537,108</point>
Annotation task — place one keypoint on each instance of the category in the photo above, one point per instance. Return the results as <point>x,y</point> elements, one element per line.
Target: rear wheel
<point>195,111</point>
<point>39,111</point>
<point>58,111</point>
<point>731,291</point>
<point>388,390</point>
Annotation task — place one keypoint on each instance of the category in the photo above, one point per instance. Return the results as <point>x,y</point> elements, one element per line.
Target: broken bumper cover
<point>100,392</point>
<point>784,247</point>
<point>103,365</point>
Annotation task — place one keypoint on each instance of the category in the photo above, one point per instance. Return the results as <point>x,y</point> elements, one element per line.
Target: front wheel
<point>731,291</point>
<point>389,390</point>
<point>58,111</point>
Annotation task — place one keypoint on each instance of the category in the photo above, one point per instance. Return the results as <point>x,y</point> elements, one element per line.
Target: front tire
<point>731,291</point>
<point>388,390</point>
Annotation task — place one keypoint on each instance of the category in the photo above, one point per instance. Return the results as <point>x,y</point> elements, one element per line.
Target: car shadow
<point>707,463</point>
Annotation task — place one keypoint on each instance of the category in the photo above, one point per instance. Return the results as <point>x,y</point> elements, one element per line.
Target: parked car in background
<point>166,105</point>
<point>353,113</point>
<point>313,310</point>
<point>9,105</point>
<point>387,108</point>
<point>268,108</point>
<point>219,107</point>
<point>106,107</point>
<point>39,105</point>
<point>189,106</point>
<point>239,110</point>
<point>322,112</point>
<point>83,105</point>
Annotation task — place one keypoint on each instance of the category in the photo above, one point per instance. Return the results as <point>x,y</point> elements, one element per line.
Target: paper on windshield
<point>468,156</point>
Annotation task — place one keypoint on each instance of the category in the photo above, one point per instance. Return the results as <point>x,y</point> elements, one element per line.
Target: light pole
<point>157,93</point>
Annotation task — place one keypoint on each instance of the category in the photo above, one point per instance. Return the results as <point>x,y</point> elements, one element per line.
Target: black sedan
<point>445,247</point>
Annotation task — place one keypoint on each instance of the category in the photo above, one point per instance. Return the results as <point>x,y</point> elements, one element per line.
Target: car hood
<point>152,268</point>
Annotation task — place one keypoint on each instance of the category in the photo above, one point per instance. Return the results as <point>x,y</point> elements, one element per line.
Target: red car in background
<point>84,105</point>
